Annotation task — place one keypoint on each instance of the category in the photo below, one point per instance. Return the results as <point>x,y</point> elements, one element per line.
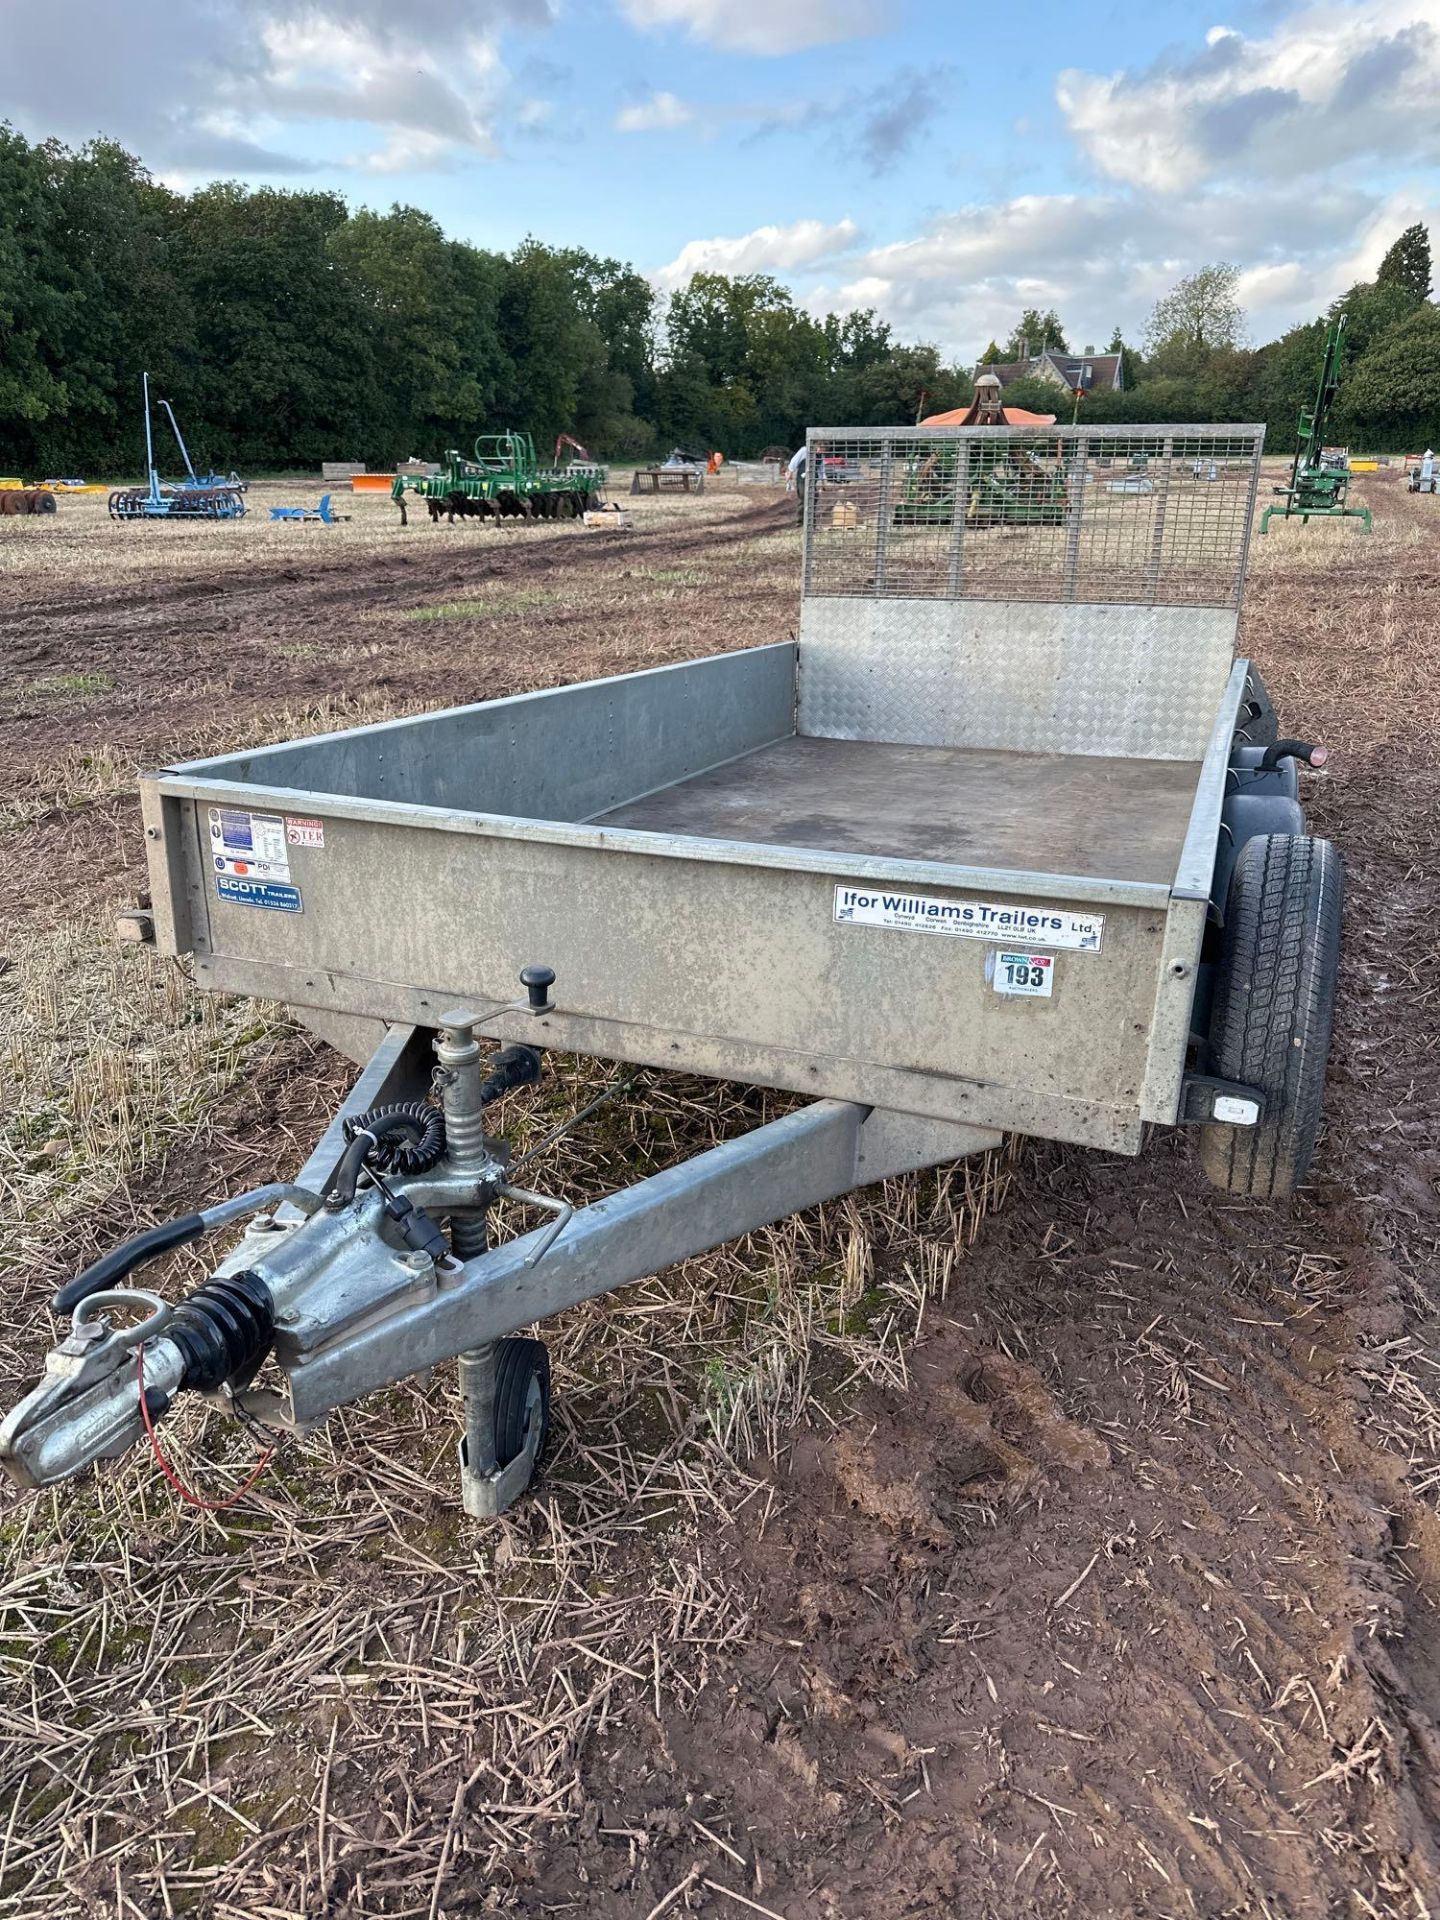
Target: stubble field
<point>1049,1536</point>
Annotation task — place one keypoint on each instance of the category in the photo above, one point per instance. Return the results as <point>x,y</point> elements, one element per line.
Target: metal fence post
<point>1075,498</point>
<point>882,512</point>
<point>1255,449</point>
<point>1157,519</point>
<point>957,524</point>
<point>807,522</point>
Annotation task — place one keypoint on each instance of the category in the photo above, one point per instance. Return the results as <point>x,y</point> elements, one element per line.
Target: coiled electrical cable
<point>410,1137</point>
<point>405,1139</point>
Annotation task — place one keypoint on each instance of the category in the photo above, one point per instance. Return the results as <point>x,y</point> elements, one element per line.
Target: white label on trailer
<point>304,833</point>
<point>969,919</point>
<point>1031,976</point>
<point>251,846</point>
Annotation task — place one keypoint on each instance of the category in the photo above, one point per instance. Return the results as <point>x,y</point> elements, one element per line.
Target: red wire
<point>190,1499</point>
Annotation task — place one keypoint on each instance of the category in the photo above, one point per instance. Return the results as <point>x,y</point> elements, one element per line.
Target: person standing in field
<point>798,472</point>
<point>795,481</point>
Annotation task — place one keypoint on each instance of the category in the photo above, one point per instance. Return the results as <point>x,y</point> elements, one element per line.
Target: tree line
<point>1193,363</point>
<point>287,328</point>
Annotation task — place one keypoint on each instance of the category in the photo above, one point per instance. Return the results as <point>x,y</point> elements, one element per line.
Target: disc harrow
<point>183,503</point>
<point>194,498</point>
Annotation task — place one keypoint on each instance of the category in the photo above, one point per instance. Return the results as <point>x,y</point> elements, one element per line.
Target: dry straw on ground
<point>1097,1591</point>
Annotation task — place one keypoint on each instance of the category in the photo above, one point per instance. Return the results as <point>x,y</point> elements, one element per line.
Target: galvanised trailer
<point>1007,841</point>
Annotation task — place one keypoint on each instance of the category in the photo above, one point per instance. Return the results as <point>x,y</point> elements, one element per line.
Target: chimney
<point>1089,350</point>
<point>1025,351</point>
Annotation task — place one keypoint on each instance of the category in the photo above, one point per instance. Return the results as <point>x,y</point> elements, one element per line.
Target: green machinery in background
<point>1002,484</point>
<point>1318,485</point>
<point>1020,487</point>
<point>503,481</point>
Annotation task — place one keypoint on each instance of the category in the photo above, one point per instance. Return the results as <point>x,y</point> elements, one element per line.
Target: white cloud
<point>429,100</point>
<point>661,113</point>
<point>230,90</point>
<point>1105,259</point>
<point>407,150</point>
<point>1330,83</point>
<point>766,250</point>
<point>757,26</point>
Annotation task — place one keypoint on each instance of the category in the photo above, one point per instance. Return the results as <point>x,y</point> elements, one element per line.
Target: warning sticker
<point>1030,976</point>
<point>304,833</point>
<point>260,893</point>
<point>969,919</point>
<point>249,845</point>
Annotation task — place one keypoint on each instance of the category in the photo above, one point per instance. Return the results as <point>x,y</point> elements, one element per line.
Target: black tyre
<point>522,1382</point>
<point>1274,1004</point>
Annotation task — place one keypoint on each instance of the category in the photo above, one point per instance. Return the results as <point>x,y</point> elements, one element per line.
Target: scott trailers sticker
<point>260,893</point>
<point>251,846</point>
<point>969,919</point>
<point>1030,976</point>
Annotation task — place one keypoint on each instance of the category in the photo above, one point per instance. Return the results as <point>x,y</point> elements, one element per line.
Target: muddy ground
<point>1083,1562</point>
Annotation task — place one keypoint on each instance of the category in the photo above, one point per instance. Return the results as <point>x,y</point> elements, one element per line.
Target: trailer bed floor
<point>1114,819</point>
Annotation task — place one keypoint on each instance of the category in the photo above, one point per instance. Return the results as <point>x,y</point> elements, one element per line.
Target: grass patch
<point>482,609</point>
<point>73,683</point>
<point>457,610</point>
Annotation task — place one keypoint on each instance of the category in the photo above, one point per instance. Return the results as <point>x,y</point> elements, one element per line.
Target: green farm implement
<point>1320,475</point>
<point>504,481</point>
<point>1000,484</point>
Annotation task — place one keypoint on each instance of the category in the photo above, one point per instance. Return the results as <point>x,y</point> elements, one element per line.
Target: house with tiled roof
<point>1087,372</point>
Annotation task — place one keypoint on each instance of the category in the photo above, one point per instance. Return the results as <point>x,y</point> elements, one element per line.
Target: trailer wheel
<point>1274,1004</point>
<point>522,1383</point>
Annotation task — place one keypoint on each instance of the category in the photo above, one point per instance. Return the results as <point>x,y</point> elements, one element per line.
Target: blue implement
<point>321,513</point>
<point>195,498</point>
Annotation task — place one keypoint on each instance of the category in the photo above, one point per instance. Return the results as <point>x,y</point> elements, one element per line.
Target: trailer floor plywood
<point>1115,819</point>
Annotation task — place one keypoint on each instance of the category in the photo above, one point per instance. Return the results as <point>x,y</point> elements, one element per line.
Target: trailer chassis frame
<point>354,1307</point>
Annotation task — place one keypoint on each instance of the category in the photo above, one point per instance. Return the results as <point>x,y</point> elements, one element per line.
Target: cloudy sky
<point>944,164</point>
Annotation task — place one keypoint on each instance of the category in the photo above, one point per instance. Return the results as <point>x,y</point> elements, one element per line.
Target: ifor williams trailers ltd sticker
<point>969,919</point>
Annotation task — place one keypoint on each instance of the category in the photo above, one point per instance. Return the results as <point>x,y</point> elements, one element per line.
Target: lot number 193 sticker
<point>1030,975</point>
